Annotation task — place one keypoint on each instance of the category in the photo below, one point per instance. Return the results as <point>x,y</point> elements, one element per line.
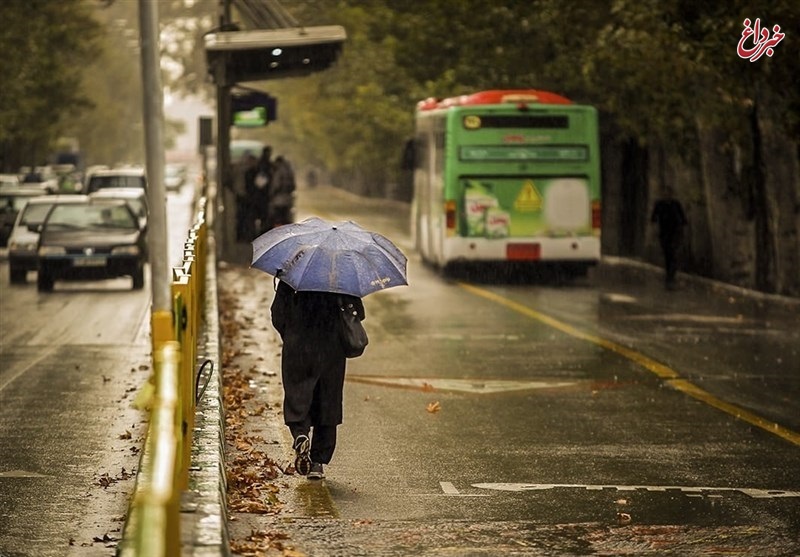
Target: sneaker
<point>302,463</point>
<point>317,472</point>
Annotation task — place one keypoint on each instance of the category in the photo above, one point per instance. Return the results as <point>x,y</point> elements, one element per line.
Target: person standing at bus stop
<point>281,194</point>
<point>259,195</point>
<point>669,216</point>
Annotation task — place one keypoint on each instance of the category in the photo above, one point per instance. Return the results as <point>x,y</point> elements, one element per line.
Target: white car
<point>39,177</point>
<point>9,182</point>
<point>129,177</point>
<point>136,198</point>
<point>174,176</point>
<point>24,239</point>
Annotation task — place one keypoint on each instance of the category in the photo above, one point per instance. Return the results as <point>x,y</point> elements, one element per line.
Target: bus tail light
<point>596,215</point>
<point>450,215</point>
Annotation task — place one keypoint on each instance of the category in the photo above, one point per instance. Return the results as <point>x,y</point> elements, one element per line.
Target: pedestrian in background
<point>241,190</point>
<point>262,180</point>
<point>669,216</point>
<point>281,194</point>
<point>312,367</point>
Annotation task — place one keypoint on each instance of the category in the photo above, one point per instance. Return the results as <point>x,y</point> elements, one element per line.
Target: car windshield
<point>91,216</point>
<point>138,206</point>
<point>35,213</point>
<point>118,181</point>
<point>13,202</point>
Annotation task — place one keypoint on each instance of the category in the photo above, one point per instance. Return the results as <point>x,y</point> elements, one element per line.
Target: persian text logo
<point>760,39</point>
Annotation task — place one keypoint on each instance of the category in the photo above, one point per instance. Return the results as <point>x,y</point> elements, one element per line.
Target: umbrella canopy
<point>324,256</point>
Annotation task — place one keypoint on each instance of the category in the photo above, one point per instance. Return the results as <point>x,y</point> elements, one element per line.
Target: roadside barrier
<point>152,528</point>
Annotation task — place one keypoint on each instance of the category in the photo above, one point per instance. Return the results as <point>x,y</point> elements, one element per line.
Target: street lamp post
<point>153,117</point>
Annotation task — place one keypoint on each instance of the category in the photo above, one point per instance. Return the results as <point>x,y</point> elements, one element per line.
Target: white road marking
<point>450,490</point>
<point>619,298</point>
<point>21,474</point>
<point>459,337</point>
<point>14,375</point>
<point>738,320</point>
<point>755,493</point>
<point>473,386</point>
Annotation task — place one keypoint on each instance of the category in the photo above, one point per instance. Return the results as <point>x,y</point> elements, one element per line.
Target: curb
<point>616,261</point>
<point>204,517</point>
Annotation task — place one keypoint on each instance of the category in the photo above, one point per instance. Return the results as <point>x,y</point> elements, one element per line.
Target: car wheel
<point>17,276</point>
<point>138,278</point>
<point>44,282</point>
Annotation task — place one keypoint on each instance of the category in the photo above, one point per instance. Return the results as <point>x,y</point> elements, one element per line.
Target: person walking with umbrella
<point>322,271</point>
<point>312,368</point>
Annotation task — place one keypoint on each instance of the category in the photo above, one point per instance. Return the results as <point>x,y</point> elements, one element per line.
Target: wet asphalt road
<point>71,362</point>
<point>600,416</point>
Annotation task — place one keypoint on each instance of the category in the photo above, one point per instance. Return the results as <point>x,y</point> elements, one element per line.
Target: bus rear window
<point>474,122</point>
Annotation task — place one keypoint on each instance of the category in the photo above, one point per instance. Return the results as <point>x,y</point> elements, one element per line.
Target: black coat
<point>671,219</point>
<point>313,361</point>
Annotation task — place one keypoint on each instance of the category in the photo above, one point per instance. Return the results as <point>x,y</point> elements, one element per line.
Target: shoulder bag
<point>351,331</point>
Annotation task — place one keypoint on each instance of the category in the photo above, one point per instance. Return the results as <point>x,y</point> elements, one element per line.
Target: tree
<point>44,46</point>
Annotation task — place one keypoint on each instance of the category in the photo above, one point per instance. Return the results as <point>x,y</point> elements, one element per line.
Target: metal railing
<point>152,528</point>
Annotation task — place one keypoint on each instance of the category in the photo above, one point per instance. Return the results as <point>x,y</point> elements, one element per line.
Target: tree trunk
<point>635,201</point>
<point>778,196</point>
<point>613,202</point>
<point>731,231</point>
<point>765,210</point>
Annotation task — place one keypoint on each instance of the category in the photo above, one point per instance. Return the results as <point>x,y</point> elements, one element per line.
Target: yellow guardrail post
<point>153,526</point>
<point>183,297</point>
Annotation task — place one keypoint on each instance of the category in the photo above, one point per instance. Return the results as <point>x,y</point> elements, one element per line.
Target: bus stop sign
<point>242,56</point>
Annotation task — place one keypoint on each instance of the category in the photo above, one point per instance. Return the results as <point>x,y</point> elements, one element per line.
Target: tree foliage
<point>44,48</point>
<point>653,68</point>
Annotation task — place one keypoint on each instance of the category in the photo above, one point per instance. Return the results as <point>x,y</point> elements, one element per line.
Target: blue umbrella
<point>324,256</point>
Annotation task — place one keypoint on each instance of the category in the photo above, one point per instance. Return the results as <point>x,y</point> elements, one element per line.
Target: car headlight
<point>22,246</point>
<point>44,251</point>
<point>125,250</point>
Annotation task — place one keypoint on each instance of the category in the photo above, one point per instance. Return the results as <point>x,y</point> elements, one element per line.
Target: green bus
<point>507,175</point>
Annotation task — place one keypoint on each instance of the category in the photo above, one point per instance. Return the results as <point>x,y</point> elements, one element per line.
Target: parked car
<point>136,198</point>
<point>93,240</point>
<point>39,177</point>
<point>11,202</point>
<point>23,242</point>
<point>132,177</point>
<point>9,182</point>
<point>174,176</point>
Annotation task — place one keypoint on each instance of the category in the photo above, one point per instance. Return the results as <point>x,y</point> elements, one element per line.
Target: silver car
<point>24,239</point>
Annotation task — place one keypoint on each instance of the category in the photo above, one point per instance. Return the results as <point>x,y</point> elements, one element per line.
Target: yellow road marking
<point>670,375</point>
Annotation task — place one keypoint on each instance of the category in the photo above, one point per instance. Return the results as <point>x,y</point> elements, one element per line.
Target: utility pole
<point>153,116</point>
<point>224,178</point>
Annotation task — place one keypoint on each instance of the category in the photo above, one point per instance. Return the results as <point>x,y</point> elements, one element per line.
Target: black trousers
<point>323,439</point>
<point>669,246</point>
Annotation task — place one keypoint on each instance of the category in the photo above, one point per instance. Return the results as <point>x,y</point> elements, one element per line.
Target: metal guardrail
<point>153,525</point>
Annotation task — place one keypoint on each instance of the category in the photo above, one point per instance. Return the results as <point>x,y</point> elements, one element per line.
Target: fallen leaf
<point>434,407</point>
<point>623,518</point>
